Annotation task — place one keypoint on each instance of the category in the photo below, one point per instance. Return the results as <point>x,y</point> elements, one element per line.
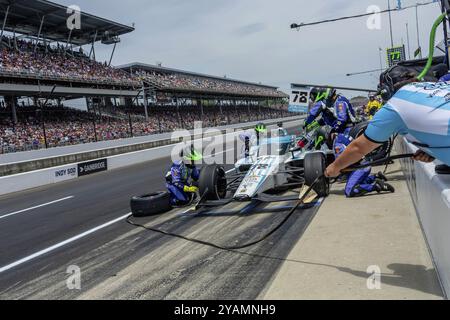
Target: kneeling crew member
<point>362,181</point>
<point>178,179</point>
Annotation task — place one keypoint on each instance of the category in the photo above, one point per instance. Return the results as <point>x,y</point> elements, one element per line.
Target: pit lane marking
<point>35,207</point>
<point>62,244</point>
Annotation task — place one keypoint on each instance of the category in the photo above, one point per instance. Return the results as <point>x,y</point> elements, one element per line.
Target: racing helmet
<point>180,169</point>
<point>318,94</point>
<point>330,97</point>
<point>190,154</point>
<point>260,128</point>
<point>340,144</point>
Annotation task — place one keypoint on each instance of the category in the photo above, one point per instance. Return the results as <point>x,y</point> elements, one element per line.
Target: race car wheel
<point>315,165</point>
<point>150,204</point>
<point>379,153</point>
<point>212,183</point>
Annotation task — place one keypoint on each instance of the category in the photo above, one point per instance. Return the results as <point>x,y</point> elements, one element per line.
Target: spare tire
<point>150,204</point>
<point>315,165</point>
<point>212,183</point>
<point>379,153</point>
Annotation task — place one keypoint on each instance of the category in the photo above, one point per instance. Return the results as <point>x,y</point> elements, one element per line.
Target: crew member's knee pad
<point>177,195</point>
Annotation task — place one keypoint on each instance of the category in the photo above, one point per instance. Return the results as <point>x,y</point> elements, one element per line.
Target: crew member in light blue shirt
<point>419,111</point>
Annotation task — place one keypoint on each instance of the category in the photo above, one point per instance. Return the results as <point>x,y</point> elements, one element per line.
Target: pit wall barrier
<point>42,177</point>
<point>113,149</point>
<point>430,193</point>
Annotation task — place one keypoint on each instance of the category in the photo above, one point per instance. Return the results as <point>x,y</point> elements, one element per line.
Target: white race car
<point>266,169</point>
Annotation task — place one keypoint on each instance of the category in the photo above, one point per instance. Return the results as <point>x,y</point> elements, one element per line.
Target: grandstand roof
<point>148,67</point>
<point>25,18</point>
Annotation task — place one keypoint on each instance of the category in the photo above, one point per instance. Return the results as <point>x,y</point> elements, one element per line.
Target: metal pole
<point>13,110</point>
<point>131,125</point>
<point>4,24</point>
<point>380,51</point>
<point>407,39</point>
<point>145,102</point>
<point>68,40</point>
<point>93,44</point>
<point>445,35</point>
<point>43,125</point>
<point>112,54</point>
<point>390,23</point>
<point>418,32</point>
<point>39,33</point>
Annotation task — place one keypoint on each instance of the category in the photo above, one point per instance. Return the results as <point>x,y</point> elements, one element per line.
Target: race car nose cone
<point>242,198</point>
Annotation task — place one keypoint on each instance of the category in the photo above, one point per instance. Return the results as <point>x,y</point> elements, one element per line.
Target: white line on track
<point>61,244</point>
<point>217,153</point>
<point>35,207</point>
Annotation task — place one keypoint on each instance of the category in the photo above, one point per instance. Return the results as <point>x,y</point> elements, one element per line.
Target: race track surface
<point>81,223</point>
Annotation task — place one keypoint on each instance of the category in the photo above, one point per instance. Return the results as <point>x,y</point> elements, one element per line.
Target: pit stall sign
<point>395,55</point>
<point>299,99</point>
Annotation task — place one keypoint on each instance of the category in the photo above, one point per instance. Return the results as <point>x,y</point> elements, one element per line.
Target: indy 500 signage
<point>299,99</point>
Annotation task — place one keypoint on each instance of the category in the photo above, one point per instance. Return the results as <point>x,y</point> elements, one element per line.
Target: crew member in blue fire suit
<point>178,179</point>
<point>336,110</point>
<point>320,109</point>
<point>362,181</point>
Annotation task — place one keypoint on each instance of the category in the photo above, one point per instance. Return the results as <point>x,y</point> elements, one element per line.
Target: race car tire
<point>358,130</point>
<point>315,165</point>
<point>381,152</point>
<point>212,183</point>
<point>150,204</point>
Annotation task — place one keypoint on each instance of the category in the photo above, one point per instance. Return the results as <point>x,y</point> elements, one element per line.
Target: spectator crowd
<point>20,56</point>
<point>61,126</point>
<point>47,61</point>
<point>66,126</point>
<point>202,83</point>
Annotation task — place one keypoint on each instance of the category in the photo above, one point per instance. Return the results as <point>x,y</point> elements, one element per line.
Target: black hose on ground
<point>216,246</point>
<point>288,216</point>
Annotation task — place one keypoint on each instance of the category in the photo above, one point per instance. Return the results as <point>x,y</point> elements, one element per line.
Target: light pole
<point>390,23</point>
<point>418,34</point>
<point>443,7</point>
<point>381,57</point>
<point>407,39</point>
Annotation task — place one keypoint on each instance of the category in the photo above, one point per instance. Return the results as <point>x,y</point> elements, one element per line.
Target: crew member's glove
<point>191,189</point>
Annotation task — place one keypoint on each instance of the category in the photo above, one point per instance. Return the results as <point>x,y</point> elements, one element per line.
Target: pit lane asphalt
<point>122,262</point>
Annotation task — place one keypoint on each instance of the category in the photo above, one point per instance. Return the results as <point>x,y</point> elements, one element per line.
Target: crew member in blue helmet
<point>320,109</point>
<point>336,110</point>
<point>180,175</point>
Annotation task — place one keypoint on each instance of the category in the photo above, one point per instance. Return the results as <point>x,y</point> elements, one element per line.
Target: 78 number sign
<point>300,97</point>
<point>299,101</point>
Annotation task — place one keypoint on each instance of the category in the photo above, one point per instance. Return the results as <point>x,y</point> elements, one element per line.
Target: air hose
<point>277,227</point>
<point>230,248</point>
<point>436,24</point>
<point>378,162</point>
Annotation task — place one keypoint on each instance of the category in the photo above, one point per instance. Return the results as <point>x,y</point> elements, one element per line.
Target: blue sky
<point>251,39</point>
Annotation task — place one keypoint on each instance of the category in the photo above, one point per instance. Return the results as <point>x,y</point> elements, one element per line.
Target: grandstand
<point>43,64</point>
<point>195,85</point>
